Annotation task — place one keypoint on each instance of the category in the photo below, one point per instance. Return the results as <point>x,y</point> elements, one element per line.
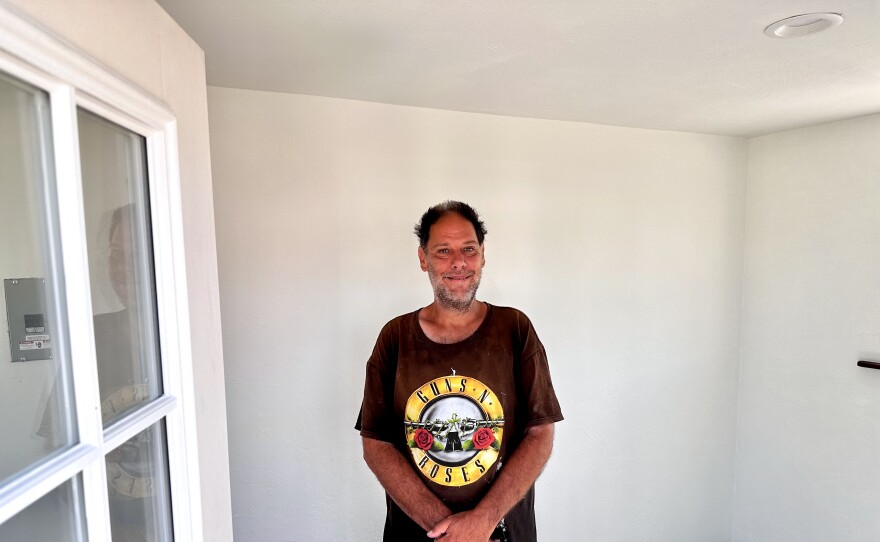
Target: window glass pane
<point>57,516</point>
<point>36,410</point>
<point>140,500</point>
<point>114,171</point>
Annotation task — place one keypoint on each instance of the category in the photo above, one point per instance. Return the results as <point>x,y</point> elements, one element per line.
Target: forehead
<point>452,227</point>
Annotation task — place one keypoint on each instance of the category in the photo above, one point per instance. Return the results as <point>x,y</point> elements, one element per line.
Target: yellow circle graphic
<point>454,427</point>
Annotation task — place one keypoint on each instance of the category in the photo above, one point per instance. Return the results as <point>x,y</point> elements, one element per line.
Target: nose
<point>458,261</point>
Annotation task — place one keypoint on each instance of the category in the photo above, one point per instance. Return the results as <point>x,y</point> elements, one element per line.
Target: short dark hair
<point>433,214</point>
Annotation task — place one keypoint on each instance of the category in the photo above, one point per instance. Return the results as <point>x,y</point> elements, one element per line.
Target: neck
<point>447,325</point>
<point>455,316</point>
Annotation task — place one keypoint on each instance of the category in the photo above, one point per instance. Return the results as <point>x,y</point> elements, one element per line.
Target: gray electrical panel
<point>30,336</point>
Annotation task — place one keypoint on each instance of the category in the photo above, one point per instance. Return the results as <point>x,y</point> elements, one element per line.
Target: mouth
<point>458,277</point>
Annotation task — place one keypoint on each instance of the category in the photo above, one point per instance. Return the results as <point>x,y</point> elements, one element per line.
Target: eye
<point>442,251</point>
<point>469,250</point>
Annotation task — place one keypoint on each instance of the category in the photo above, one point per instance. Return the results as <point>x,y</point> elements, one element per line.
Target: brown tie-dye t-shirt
<point>457,411</point>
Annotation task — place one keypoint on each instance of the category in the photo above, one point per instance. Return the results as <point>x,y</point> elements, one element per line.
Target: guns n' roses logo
<point>454,427</point>
<point>129,467</point>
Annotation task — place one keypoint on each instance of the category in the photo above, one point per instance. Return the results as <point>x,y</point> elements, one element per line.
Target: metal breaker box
<point>30,337</point>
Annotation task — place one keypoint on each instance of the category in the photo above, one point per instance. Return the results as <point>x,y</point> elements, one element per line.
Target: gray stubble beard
<point>445,298</point>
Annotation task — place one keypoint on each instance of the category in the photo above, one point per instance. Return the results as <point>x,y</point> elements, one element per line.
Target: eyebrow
<point>445,244</point>
<point>439,246</point>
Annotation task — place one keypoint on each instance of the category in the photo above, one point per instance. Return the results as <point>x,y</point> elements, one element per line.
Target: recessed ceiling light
<point>802,25</point>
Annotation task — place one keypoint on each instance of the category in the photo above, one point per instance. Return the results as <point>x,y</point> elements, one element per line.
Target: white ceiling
<point>690,65</point>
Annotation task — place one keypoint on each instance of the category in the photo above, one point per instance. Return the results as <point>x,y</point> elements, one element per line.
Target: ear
<point>483,252</point>
<point>422,262</point>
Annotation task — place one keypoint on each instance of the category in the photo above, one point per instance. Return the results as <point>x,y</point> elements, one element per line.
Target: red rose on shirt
<point>423,439</point>
<point>483,438</point>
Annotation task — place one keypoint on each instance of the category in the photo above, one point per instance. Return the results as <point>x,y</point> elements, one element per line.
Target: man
<point>453,391</point>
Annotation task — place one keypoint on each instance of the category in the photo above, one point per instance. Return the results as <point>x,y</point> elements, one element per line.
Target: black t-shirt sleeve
<point>376,417</point>
<point>538,394</point>
<point>540,404</point>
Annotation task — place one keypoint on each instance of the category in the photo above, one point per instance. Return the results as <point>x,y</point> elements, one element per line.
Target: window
<point>96,400</point>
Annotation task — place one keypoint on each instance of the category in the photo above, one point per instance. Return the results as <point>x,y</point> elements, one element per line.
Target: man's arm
<point>400,481</point>
<point>516,477</point>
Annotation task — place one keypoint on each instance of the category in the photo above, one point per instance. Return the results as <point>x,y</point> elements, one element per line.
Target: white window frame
<point>73,79</point>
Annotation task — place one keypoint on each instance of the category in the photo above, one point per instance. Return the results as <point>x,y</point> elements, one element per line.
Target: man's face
<point>454,261</point>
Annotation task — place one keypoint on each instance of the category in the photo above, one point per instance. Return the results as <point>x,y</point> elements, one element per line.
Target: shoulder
<point>512,321</point>
<point>510,316</point>
<point>388,342</point>
<point>398,323</point>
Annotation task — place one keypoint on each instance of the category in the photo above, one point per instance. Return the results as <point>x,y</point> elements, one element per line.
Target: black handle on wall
<point>869,364</point>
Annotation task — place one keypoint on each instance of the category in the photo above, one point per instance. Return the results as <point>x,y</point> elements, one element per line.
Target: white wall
<point>623,245</point>
<point>139,40</point>
<point>809,435</point>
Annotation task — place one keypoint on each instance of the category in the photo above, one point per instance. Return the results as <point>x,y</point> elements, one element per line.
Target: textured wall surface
<point>808,436</point>
<point>624,246</point>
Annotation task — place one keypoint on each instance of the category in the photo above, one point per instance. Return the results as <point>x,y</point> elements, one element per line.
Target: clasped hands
<point>469,526</point>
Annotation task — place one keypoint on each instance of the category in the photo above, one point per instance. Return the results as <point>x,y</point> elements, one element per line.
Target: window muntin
<point>57,516</point>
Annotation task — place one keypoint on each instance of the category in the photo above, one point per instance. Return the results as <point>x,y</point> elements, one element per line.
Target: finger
<point>440,529</point>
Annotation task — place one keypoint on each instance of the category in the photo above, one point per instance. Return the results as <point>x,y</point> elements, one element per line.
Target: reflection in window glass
<point>57,516</point>
<point>137,475</point>
<point>117,214</point>
<point>35,396</point>
<point>114,172</point>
